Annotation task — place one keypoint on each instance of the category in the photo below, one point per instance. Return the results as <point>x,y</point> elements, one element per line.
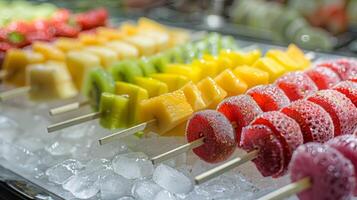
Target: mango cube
<point>124,50</point>
<point>229,82</point>
<point>193,74</point>
<point>252,76</point>
<point>106,55</point>
<point>298,56</point>
<point>173,81</point>
<point>282,58</point>
<point>50,52</point>
<point>169,110</point>
<point>79,63</point>
<point>68,44</point>
<point>271,66</point>
<point>211,92</point>
<point>153,86</point>
<point>50,81</point>
<point>193,96</point>
<point>114,111</point>
<point>136,95</point>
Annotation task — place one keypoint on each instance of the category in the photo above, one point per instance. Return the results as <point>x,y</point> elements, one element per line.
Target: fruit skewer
<point>210,94</point>
<point>313,169</point>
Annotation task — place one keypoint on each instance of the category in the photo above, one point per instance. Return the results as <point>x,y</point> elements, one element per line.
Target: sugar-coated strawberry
<point>269,97</point>
<point>92,19</point>
<point>315,123</point>
<point>340,108</point>
<point>219,138</point>
<point>330,173</point>
<point>344,68</point>
<point>296,85</point>
<point>270,158</point>
<point>323,77</point>
<point>347,145</point>
<point>348,88</point>
<point>240,111</point>
<point>65,30</point>
<point>285,129</point>
<point>61,16</point>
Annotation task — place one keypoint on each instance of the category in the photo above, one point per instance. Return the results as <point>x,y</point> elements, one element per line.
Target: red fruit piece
<point>65,30</point>
<point>349,89</point>
<point>285,129</point>
<point>270,158</point>
<point>351,66</point>
<point>347,145</point>
<point>219,143</point>
<point>330,173</point>
<point>296,85</point>
<point>341,110</point>
<point>323,77</point>
<point>269,97</point>
<point>344,68</point>
<point>353,78</point>
<point>315,123</point>
<point>92,19</point>
<point>240,111</point>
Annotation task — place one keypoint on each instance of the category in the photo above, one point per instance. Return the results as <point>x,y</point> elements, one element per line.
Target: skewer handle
<point>68,108</point>
<point>221,169</point>
<point>288,190</point>
<point>72,122</point>
<point>177,151</point>
<point>13,93</point>
<point>126,132</point>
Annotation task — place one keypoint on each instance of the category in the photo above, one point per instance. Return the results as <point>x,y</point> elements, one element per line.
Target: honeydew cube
<point>271,66</point>
<point>114,111</point>
<point>79,63</point>
<point>193,74</point>
<point>193,96</point>
<point>173,81</point>
<point>229,82</point>
<point>252,76</point>
<point>211,92</point>
<point>91,39</point>
<point>106,55</point>
<point>124,50</point>
<point>50,81</point>
<point>282,58</point>
<point>207,68</point>
<point>136,95</point>
<point>49,52</point>
<point>15,63</point>
<point>145,45</point>
<point>169,110</point>
<point>298,56</point>
<point>153,86</point>
<point>68,44</point>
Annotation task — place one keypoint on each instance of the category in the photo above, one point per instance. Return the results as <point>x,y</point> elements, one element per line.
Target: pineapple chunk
<point>106,55</point>
<point>91,39</point>
<point>212,93</point>
<point>221,61</point>
<point>161,38</point>
<point>193,74</point>
<point>193,96</point>
<point>241,58</point>
<point>282,58</point>
<point>136,95</point>
<point>229,82</point>
<point>145,45</point>
<point>110,33</point>
<point>50,52</point>
<point>178,131</point>
<point>153,86</point>
<point>114,110</point>
<point>252,76</point>
<point>68,44</point>
<point>169,110</point>
<point>50,81</point>
<point>269,65</point>
<point>298,56</point>
<point>207,68</point>
<point>124,50</point>
<point>173,81</point>
<point>79,63</point>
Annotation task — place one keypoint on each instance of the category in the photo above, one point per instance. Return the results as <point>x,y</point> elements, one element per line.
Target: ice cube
<point>9,129</point>
<point>77,132</point>
<point>126,198</point>
<point>20,156</point>
<point>114,186</point>
<point>164,195</point>
<point>107,150</point>
<point>172,180</point>
<point>83,185</point>
<point>61,172</point>
<point>60,147</point>
<point>145,190</point>
<point>132,165</point>
<point>98,164</point>
<point>30,143</point>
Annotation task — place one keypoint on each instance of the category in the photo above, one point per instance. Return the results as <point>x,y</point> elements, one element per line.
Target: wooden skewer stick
<point>221,169</point>
<point>68,107</point>
<point>177,151</point>
<point>72,122</point>
<point>3,74</point>
<point>288,190</point>
<point>127,132</point>
<point>14,93</point>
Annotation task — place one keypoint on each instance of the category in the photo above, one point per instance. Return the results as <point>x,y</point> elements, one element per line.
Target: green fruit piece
<point>114,111</point>
<point>173,81</point>
<point>159,62</point>
<point>126,71</point>
<point>147,67</point>
<point>176,55</point>
<point>136,95</point>
<point>154,87</point>
<point>97,82</point>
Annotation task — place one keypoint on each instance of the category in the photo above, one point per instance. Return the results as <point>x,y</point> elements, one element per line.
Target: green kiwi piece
<point>147,67</point>
<point>114,111</point>
<point>159,61</point>
<point>126,70</point>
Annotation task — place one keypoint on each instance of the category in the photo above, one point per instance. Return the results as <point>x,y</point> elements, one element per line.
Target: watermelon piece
<point>323,77</point>
<point>269,97</point>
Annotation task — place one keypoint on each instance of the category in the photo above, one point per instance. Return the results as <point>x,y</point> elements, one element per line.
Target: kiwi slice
<point>126,71</point>
<point>159,62</point>
<point>114,111</point>
<point>147,67</point>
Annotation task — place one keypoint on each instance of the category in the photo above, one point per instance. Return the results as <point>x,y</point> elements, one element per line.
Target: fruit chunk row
<point>171,110</point>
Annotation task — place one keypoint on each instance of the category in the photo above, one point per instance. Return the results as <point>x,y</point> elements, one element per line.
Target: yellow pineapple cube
<point>194,96</point>
<point>153,86</point>
<point>207,68</point>
<point>50,52</point>
<point>229,82</point>
<point>107,56</point>
<point>91,39</point>
<point>211,92</point>
<point>173,81</point>
<point>298,56</point>
<point>271,66</point>
<point>145,45</point>
<point>124,50</point>
<point>193,74</point>
<point>110,33</point>
<point>282,58</point>
<point>68,44</point>
<point>252,76</point>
